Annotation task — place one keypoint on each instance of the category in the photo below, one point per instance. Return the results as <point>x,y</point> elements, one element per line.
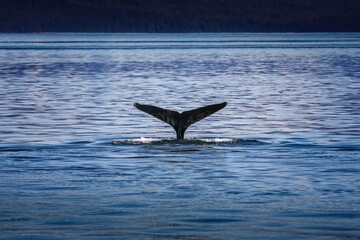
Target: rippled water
<point>78,161</point>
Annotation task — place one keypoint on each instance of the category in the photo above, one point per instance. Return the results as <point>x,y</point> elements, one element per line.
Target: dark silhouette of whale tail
<point>180,121</point>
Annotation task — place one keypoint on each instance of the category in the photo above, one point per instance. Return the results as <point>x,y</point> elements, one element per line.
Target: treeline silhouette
<point>179,16</point>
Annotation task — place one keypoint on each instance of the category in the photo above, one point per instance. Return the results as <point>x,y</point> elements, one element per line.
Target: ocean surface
<point>78,161</point>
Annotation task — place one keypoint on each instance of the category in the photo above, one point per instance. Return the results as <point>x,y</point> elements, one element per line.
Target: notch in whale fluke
<point>180,121</point>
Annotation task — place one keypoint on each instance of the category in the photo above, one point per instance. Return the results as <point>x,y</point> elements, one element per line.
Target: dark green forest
<point>179,16</point>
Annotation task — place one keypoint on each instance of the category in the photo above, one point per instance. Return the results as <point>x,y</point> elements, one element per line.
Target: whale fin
<point>180,122</point>
<point>165,115</point>
<point>193,116</point>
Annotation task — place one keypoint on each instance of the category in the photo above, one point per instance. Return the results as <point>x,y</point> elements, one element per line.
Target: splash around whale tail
<point>180,121</point>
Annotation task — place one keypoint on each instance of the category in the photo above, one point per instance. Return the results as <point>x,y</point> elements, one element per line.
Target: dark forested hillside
<point>179,15</point>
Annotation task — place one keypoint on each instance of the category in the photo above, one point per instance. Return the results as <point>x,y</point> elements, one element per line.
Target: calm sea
<point>78,161</point>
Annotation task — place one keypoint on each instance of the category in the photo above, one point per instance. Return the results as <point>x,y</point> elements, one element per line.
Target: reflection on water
<point>78,161</point>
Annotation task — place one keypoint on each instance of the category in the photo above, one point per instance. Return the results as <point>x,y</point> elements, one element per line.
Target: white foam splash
<point>141,140</point>
<point>145,140</point>
<point>215,140</point>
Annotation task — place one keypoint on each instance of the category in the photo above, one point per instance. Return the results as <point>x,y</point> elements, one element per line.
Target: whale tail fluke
<point>180,121</point>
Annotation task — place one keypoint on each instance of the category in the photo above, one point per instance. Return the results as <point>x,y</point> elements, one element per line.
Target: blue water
<point>281,161</point>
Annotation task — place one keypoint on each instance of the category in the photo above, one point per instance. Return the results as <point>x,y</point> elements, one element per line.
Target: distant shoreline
<point>179,16</point>
<point>358,32</point>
